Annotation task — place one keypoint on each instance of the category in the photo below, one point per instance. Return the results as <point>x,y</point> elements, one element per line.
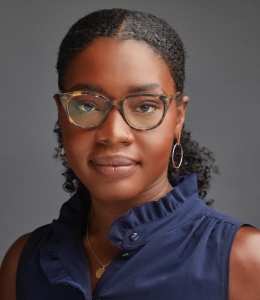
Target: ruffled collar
<point>143,223</point>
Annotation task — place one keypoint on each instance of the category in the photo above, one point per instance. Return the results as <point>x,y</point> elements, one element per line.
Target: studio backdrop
<point>223,75</point>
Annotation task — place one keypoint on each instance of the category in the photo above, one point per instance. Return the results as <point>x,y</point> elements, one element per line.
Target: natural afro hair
<point>123,24</point>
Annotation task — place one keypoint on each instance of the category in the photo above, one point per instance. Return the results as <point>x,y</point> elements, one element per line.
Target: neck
<point>103,213</point>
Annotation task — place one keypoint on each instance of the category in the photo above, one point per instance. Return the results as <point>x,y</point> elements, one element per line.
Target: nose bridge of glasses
<point>117,103</point>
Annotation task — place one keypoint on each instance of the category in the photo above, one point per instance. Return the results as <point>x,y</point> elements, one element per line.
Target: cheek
<point>157,143</point>
<point>76,141</point>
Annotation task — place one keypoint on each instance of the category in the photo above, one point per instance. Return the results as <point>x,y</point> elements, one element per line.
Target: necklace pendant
<point>99,272</point>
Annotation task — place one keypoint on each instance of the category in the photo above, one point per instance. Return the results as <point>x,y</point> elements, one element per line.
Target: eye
<point>86,107</point>
<point>146,107</point>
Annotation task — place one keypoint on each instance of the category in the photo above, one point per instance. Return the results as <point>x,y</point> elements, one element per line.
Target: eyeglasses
<point>140,111</point>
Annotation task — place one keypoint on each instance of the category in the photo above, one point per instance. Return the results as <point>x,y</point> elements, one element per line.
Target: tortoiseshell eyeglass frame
<point>65,98</point>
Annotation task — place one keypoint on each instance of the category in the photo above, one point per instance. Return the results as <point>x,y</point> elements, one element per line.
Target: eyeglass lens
<point>142,111</point>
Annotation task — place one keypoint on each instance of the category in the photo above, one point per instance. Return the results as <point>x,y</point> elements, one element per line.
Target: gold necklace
<point>99,271</point>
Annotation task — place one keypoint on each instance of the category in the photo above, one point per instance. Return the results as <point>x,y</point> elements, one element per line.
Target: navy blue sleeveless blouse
<point>180,250</point>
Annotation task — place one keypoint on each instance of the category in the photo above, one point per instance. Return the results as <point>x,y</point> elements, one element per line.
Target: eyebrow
<point>146,87</point>
<point>133,89</point>
<point>87,87</point>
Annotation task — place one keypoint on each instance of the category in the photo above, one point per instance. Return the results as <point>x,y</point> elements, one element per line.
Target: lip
<point>115,166</point>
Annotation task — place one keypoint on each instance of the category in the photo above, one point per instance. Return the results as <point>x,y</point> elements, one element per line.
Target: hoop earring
<point>173,151</point>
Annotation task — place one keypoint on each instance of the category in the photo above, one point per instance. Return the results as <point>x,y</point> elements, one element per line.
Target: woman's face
<point>114,161</point>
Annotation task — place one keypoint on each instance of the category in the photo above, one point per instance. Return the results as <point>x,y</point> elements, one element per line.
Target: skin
<point>128,66</point>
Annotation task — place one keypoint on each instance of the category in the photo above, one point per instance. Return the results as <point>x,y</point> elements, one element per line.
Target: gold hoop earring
<point>173,151</point>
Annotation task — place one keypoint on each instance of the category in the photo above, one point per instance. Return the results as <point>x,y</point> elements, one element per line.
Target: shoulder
<point>21,249</point>
<point>244,278</point>
<point>9,268</point>
<point>219,217</point>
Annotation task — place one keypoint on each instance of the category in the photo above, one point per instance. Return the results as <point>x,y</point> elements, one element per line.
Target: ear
<point>56,97</point>
<point>181,109</point>
<point>57,100</point>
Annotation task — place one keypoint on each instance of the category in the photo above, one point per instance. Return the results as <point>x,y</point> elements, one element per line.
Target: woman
<point>129,232</point>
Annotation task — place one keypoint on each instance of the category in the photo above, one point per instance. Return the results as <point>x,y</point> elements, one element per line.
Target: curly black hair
<point>124,24</point>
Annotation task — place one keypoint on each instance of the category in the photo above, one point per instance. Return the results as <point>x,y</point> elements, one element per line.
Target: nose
<point>114,130</point>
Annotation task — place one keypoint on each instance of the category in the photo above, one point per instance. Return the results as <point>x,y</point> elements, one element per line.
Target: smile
<point>114,167</point>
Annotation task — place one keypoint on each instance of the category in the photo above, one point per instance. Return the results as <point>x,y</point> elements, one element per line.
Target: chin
<point>114,190</point>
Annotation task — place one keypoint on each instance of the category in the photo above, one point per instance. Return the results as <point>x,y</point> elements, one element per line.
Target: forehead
<point>118,65</point>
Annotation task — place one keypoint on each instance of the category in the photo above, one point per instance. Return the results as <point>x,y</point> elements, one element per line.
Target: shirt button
<point>125,255</point>
<point>134,236</point>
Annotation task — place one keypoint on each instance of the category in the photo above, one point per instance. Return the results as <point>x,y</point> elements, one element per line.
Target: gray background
<point>223,72</point>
